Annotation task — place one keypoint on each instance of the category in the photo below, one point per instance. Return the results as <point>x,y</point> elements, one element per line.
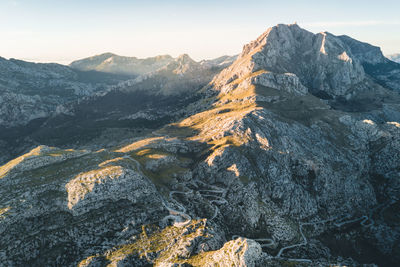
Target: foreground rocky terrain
<point>287,157</point>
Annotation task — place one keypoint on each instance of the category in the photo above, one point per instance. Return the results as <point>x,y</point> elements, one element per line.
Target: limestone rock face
<point>90,189</point>
<point>240,252</point>
<point>288,82</point>
<point>385,71</point>
<point>364,52</point>
<point>76,197</point>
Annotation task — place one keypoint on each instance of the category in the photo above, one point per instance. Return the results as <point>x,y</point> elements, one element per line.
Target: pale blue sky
<point>62,31</point>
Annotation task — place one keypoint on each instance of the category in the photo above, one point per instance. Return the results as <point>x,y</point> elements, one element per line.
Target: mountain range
<point>285,155</point>
<point>33,95</point>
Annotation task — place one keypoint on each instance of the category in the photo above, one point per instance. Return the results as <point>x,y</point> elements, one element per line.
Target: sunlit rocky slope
<point>287,157</point>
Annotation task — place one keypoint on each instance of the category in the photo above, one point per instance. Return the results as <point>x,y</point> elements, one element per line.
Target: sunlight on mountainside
<point>10,165</point>
<point>3,211</point>
<point>138,144</point>
<point>85,183</point>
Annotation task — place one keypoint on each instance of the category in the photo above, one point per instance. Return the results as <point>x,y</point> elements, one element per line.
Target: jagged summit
<point>182,64</point>
<point>104,56</point>
<point>322,61</point>
<point>184,57</point>
<point>92,61</point>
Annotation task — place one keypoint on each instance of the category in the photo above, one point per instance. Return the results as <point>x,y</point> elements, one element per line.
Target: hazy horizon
<point>61,32</point>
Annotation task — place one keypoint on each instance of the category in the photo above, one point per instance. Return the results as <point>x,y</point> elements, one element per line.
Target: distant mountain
<point>395,57</point>
<point>147,102</point>
<point>29,91</point>
<point>223,61</point>
<point>181,75</point>
<point>112,63</point>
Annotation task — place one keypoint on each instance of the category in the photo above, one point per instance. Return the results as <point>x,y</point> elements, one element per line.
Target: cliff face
<point>381,69</point>
<point>288,156</point>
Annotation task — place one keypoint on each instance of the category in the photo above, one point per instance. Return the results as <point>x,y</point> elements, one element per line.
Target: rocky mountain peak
<point>94,60</point>
<point>163,57</point>
<point>182,64</point>
<point>184,58</point>
<point>105,55</point>
<point>322,62</point>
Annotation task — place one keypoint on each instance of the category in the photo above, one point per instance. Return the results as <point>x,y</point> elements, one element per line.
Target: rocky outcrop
<point>89,189</point>
<point>283,82</point>
<point>186,249</point>
<point>240,252</point>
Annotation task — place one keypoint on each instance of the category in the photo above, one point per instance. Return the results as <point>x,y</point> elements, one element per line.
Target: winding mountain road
<point>219,200</point>
<point>181,218</point>
<point>339,223</point>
